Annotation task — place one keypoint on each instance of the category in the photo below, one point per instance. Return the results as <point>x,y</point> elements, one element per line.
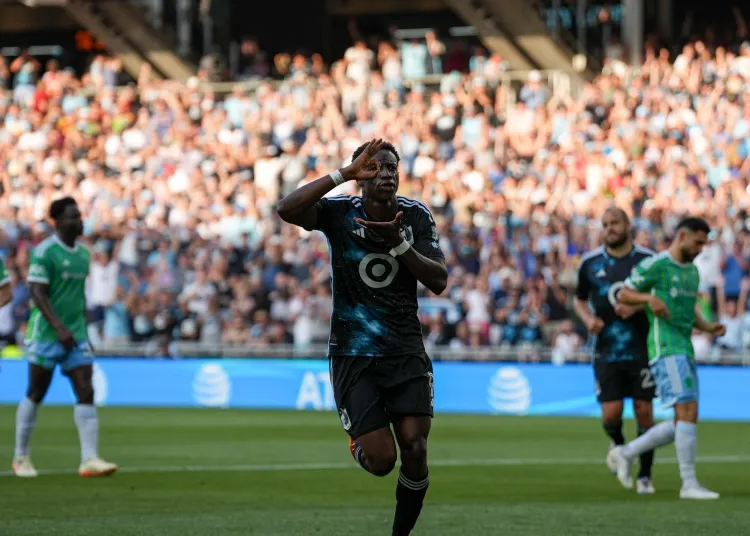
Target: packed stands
<point>178,186</point>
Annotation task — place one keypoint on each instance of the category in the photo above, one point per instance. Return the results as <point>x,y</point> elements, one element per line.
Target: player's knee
<point>612,412</point>
<point>687,412</point>
<point>643,412</point>
<point>414,450</point>
<point>35,395</point>
<point>381,463</point>
<point>85,394</point>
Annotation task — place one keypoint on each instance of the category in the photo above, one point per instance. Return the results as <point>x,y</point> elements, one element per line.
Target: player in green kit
<point>56,335</point>
<point>6,290</point>
<point>667,284</point>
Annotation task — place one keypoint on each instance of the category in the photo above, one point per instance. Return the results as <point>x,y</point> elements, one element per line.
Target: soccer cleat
<point>699,493</point>
<point>95,466</point>
<point>611,465</point>
<point>22,467</point>
<point>624,467</point>
<point>644,486</point>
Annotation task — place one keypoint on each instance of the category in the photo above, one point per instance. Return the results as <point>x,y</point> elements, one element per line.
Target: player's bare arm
<point>714,328</point>
<point>432,273</point>
<point>298,208</point>
<point>38,293</point>
<point>6,294</point>
<point>593,323</point>
<point>625,310</point>
<point>630,296</point>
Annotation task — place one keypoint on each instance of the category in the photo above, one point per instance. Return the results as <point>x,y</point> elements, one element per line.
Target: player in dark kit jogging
<point>381,245</point>
<point>621,357</point>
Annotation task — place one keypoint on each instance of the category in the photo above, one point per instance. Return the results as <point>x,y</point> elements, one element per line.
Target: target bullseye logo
<point>378,270</point>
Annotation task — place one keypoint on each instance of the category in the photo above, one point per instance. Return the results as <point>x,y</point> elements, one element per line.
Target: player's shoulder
<point>414,208</point>
<point>342,201</point>
<point>656,260</point>
<point>43,248</point>
<point>590,256</point>
<point>640,253</point>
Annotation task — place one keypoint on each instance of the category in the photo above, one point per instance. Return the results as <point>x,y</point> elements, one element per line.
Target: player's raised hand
<point>364,167</point>
<point>718,329</point>
<point>658,307</point>
<point>595,325</point>
<point>389,231</point>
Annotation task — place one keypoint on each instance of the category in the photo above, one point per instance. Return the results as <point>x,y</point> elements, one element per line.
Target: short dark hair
<point>620,212</point>
<point>386,147</point>
<point>696,225</point>
<point>58,206</point>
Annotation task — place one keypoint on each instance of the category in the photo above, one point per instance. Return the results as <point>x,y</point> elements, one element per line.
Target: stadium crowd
<point>178,186</point>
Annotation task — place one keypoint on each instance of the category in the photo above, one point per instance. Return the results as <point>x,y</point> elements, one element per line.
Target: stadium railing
<point>317,351</point>
<point>559,82</point>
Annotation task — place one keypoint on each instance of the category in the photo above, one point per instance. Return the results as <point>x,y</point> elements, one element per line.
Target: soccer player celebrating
<point>380,245</point>
<point>667,284</point>
<point>58,268</point>
<point>620,358</point>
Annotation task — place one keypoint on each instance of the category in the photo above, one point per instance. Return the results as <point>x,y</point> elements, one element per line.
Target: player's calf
<point>413,479</point>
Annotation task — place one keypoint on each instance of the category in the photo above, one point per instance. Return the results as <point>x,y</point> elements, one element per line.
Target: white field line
<point>488,462</point>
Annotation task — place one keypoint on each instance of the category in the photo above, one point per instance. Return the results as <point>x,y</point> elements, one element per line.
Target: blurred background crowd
<point>178,186</point>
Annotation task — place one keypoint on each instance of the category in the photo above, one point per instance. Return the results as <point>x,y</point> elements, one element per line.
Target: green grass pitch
<point>211,472</point>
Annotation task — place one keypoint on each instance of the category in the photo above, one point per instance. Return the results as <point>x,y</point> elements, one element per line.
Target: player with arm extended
<point>56,335</point>
<point>620,355</point>
<point>667,284</point>
<point>381,245</point>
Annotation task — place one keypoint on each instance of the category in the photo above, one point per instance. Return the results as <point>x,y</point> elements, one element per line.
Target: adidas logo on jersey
<point>360,232</point>
<point>601,273</point>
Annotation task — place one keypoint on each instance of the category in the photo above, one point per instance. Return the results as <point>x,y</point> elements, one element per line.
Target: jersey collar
<point>64,245</point>
<point>629,254</point>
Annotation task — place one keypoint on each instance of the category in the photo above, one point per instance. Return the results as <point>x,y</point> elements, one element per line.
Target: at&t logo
<point>509,391</point>
<point>212,387</point>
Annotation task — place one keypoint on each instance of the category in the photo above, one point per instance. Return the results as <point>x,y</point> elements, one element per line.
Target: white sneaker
<point>95,466</point>
<point>22,467</point>
<point>644,486</point>
<point>611,465</point>
<point>698,492</point>
<point>624,467</point>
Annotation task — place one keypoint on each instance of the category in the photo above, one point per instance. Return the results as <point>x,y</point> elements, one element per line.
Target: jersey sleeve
<point>583,286</point>
<point>39,268</point>
<point>426,240</point>
<point>4,277</point>
<point>644,275</point>
<point>329,213</point>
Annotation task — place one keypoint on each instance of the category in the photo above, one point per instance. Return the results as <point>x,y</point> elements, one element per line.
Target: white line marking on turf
<point>488,462</point>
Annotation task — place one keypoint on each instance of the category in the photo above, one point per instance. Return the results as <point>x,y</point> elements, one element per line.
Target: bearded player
<point>57,335</point>
<point>667,284</point>
<point>381,246</point>
<point>620,356</point>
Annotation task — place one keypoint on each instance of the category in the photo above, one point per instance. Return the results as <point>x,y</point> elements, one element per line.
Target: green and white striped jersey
<point>4,277</point>
<point>64,270</point>
<point>676,285</point>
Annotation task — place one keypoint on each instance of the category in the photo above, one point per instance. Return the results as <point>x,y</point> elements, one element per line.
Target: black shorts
<point>623,379</point>
<point>373,392</point>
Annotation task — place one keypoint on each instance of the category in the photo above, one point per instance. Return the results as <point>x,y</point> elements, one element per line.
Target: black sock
<point>647,459</point>
<point>409,498</point>
<point>614,430</point>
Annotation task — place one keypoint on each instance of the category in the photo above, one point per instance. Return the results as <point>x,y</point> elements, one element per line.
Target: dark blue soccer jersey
<point>600,278</point>
<point>374,294</point>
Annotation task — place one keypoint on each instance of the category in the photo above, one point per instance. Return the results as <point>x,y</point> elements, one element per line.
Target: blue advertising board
<point>504,388</point>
